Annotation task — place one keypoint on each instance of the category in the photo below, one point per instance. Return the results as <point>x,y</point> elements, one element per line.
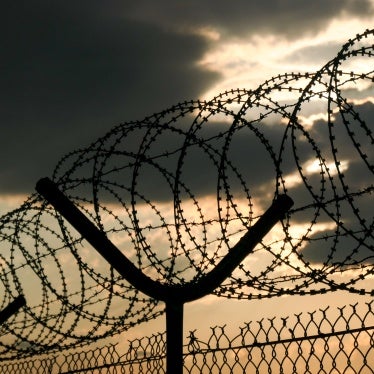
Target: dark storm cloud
<point>200,169</point>
<point>355,248</point>
<point>285,18</point>
<point>354,146</point>
<point>247,161</point>
<point>70,72</point>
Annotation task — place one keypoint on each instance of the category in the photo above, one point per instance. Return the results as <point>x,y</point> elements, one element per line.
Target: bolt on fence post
<point>175,296</point>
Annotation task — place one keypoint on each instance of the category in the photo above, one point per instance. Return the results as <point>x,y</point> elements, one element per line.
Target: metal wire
<point>176,190</point>
<point>322,341</point>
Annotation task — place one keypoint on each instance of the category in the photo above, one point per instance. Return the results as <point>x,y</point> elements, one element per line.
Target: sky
<point>73,70</point>
<point>70,72</point>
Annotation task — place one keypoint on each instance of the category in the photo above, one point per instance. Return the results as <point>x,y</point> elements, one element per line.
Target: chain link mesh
<point>323,341</point>
<point>170,229</point>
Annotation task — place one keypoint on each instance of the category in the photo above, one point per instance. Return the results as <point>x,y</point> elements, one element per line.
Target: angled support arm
<point>12,308</point>
<point>180,293</point>
<point>239,252</point>
<point>173,295</point>
<point>99,240</point>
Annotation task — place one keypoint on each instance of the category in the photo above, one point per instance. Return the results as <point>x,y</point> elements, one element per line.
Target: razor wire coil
<point>176,191</point>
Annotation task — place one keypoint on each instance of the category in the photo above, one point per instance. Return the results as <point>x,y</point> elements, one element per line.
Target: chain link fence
<point>60,298</point>
<point>323,341</point>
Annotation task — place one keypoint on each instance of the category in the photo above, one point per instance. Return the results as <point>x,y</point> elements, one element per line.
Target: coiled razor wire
<point>178,189</point>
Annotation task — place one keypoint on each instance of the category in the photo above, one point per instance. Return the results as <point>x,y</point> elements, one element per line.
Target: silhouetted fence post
<point>174,337</point>
<point>175,296</point>
<point>12,308</point>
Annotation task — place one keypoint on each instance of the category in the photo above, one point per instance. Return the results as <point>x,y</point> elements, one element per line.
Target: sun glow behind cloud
<point>10,202</point>
<point>315,167</point>
<point>246,62</point>
<point>241,62</point>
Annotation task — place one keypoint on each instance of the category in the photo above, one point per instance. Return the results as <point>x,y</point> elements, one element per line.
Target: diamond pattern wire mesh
<point>174,233</point>
<point>323,341</point>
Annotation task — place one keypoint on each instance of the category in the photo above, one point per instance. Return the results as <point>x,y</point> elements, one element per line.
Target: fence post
<point>12,308</point>
<point>174,337</point>
<point>175,296</point>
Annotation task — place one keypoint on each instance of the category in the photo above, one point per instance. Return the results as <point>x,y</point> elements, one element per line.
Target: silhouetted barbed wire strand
<point>146,184</point>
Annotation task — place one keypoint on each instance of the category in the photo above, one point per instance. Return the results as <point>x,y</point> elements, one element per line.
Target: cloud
<point>198,169</point>
<point>339,247</point>
<point>69,73</point>
<point>252,151</point>
<point>289,19</point>
<point>340,188</point>
<point>312,54</point>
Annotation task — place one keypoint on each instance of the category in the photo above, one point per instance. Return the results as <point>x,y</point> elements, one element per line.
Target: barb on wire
<point>177,190</point>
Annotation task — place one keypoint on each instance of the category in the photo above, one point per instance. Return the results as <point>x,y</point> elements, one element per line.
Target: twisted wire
<point>177,190</point>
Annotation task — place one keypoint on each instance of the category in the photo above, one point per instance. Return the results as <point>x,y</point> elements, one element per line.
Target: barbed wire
<point>177,190</point>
